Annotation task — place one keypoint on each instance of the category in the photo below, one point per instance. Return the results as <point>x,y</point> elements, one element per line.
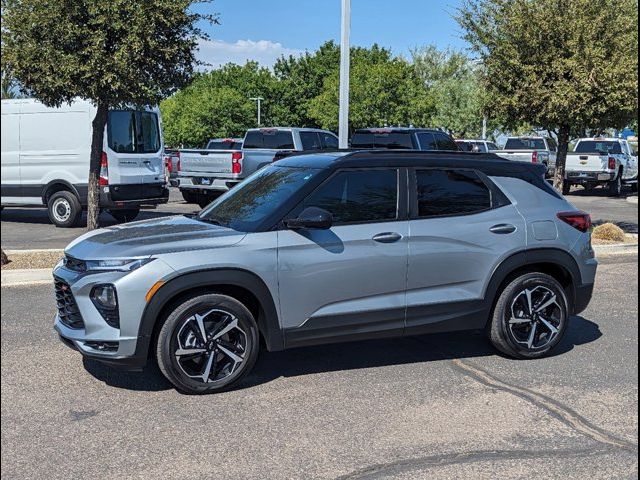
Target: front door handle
<point>389,237</point>
<point>503,229</point>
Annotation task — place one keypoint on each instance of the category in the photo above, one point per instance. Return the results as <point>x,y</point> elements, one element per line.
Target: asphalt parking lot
<point>31,229</point>
<point>436,407</point>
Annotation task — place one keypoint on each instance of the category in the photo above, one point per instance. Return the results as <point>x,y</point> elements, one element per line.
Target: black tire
<point>566,188</point>
<point>615,187</point>
<point>189,197</point>
<point>204,201</point>
<point>180,332</point>
<point>64,209</point>
<point>510,332</point>
<point>125,215</point>
<point>634,187</point>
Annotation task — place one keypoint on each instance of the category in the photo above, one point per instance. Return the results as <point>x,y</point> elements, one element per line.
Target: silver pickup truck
<point>541,150</point>
<point>206,174</point>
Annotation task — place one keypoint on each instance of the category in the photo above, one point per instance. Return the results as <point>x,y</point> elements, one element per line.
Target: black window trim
<point>402,206</point>
<point>497,198</point>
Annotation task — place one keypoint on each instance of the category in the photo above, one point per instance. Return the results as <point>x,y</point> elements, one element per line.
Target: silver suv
<point>326,248</point>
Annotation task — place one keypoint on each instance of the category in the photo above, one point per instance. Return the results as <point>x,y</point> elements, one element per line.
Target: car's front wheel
<point>207,344</point>
<point>530,316</point>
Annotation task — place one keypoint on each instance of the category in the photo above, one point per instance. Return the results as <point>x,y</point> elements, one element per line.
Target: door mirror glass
<point>311,218</point>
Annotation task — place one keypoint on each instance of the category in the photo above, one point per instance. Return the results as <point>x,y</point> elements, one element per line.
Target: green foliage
<point>557,63</point>
<point>218,104</point>
<point>382,93</point>
<point>111,53</point>
<point>455,88</point>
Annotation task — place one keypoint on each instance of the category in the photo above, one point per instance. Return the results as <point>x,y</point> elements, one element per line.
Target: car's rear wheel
<point>530,316</point>
<point>615,187</point>
<point>566,187</point>
<point>125,215</point>
<point>64,209</point>
<point>189,197</point>
<point>207,344</point>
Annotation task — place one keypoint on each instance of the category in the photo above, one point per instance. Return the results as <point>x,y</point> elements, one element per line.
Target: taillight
<point>612,163</point>
<point>168,164</point>
<point>578,220</point>
<point>178,164</point>
<point>236,163</point>
<point>103,181</point>
<point>534,157</point>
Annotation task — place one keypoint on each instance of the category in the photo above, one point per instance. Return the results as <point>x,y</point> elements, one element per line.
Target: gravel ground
<point>19,261</point>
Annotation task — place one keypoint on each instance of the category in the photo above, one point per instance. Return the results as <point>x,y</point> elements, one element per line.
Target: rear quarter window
<point>444,193</point>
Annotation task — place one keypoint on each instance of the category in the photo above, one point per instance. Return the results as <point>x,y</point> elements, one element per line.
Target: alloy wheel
<point>210,346</point>
<point>536,317</point>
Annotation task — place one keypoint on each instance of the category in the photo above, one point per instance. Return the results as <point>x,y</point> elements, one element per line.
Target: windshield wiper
<point>213,221</point>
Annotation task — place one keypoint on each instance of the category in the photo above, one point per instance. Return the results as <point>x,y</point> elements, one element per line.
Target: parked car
<point>602,161</point>
<point>543,150</point>
<point>326,248</point>
<point>206,174</point>
<point>45,160</point>
<point>403,139</point>
<point>477,146</point>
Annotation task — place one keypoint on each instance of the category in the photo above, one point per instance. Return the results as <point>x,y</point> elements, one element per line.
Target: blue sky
<point>262,30</point>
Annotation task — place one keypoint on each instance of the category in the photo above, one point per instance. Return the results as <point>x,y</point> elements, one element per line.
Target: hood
<point>152,237</point>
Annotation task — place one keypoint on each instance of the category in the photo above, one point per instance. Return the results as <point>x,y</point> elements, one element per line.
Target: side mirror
<point>311,218</point>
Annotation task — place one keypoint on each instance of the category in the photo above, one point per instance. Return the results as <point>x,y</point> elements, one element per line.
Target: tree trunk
<point>97,139</point>
<point>3,259</point>
<point>563,147</point>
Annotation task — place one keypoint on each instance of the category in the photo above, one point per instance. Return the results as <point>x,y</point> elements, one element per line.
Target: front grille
<point>67,307</point>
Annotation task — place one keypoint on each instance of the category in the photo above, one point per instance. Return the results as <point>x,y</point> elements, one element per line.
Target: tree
<point>218,104</point>
<point>382,93</point>
<point>120,53</point>
<point>454,84</point>
<point>564,66</point>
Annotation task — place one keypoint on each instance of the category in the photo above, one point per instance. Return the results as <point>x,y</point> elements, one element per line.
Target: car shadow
<point>349,356</point>
<point>601,192</point>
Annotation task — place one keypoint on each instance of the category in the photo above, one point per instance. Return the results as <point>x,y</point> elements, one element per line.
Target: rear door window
<point>310,141</point>
<point>451,192</point>
<point>133,131</point>
<point>358,196</point>
<point>445,142</point>
<point>269,139</point>
<point>329,142</point>
<point>427,141</point>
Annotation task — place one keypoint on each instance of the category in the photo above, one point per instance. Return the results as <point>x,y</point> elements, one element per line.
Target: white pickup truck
<point>205,174</point>
<point>542,150</point>
<point>601,161</point>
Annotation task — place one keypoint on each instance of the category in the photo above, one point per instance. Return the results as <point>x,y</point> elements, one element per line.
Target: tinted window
<point>383,139</point>
<point>451,192</point>
<point>224,145</point>
<point>465,146</point>
<point>445,142</point>
<point>310,141</point>
<point>359,196</point>
<point>427,141</point>
<point>133,132</point>
<point>492,147</point>
<point>599,147</point>
<point>481,147</point>
<point>249,204</point>
<point>330,142</point>
<point>525,144</point>
<point>269,139</point>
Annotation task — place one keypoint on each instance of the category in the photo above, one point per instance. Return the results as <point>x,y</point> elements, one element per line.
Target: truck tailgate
<point>206,161</point>
<point>582,162</point>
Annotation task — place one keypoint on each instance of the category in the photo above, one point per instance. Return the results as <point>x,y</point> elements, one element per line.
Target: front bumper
<point>588,177</point>
<point>134,196</point>
<point>94,338</point>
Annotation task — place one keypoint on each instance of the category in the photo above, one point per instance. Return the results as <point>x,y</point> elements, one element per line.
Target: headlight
<point>122,265</point>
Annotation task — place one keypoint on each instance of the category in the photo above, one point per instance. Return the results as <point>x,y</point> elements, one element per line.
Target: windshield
<point>246,206</point>
<point>525,144</point>
<point>599,147</point>
<point>130,131</point>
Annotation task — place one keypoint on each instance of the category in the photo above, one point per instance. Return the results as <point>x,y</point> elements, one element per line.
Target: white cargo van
<point>45,160</point>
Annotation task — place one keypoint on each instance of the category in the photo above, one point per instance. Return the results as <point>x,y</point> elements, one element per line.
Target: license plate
<point>205,181</point>
<point>584,175</point>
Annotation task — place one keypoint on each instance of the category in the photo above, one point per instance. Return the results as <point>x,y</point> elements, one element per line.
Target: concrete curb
<point>618,249</point>
<point>15,278</point>
<point>633,199</point>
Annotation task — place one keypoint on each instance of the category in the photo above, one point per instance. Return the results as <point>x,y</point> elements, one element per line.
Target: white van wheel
<point>64,209</point>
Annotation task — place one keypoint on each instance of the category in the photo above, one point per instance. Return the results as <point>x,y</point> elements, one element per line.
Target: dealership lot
<point>31,229</point>
<point>443,406</point>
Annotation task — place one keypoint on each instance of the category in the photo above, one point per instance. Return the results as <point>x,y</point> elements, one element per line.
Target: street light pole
<point>259,101</point>
<point>345,61</point>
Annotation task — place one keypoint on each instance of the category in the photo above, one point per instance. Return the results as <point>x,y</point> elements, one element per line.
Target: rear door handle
<point>388,237</point>
<point>503,229</point>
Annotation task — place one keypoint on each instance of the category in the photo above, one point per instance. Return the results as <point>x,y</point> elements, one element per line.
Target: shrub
<point>609,232</point>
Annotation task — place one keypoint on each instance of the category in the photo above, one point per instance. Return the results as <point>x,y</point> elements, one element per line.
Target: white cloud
<point>218,52</point>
